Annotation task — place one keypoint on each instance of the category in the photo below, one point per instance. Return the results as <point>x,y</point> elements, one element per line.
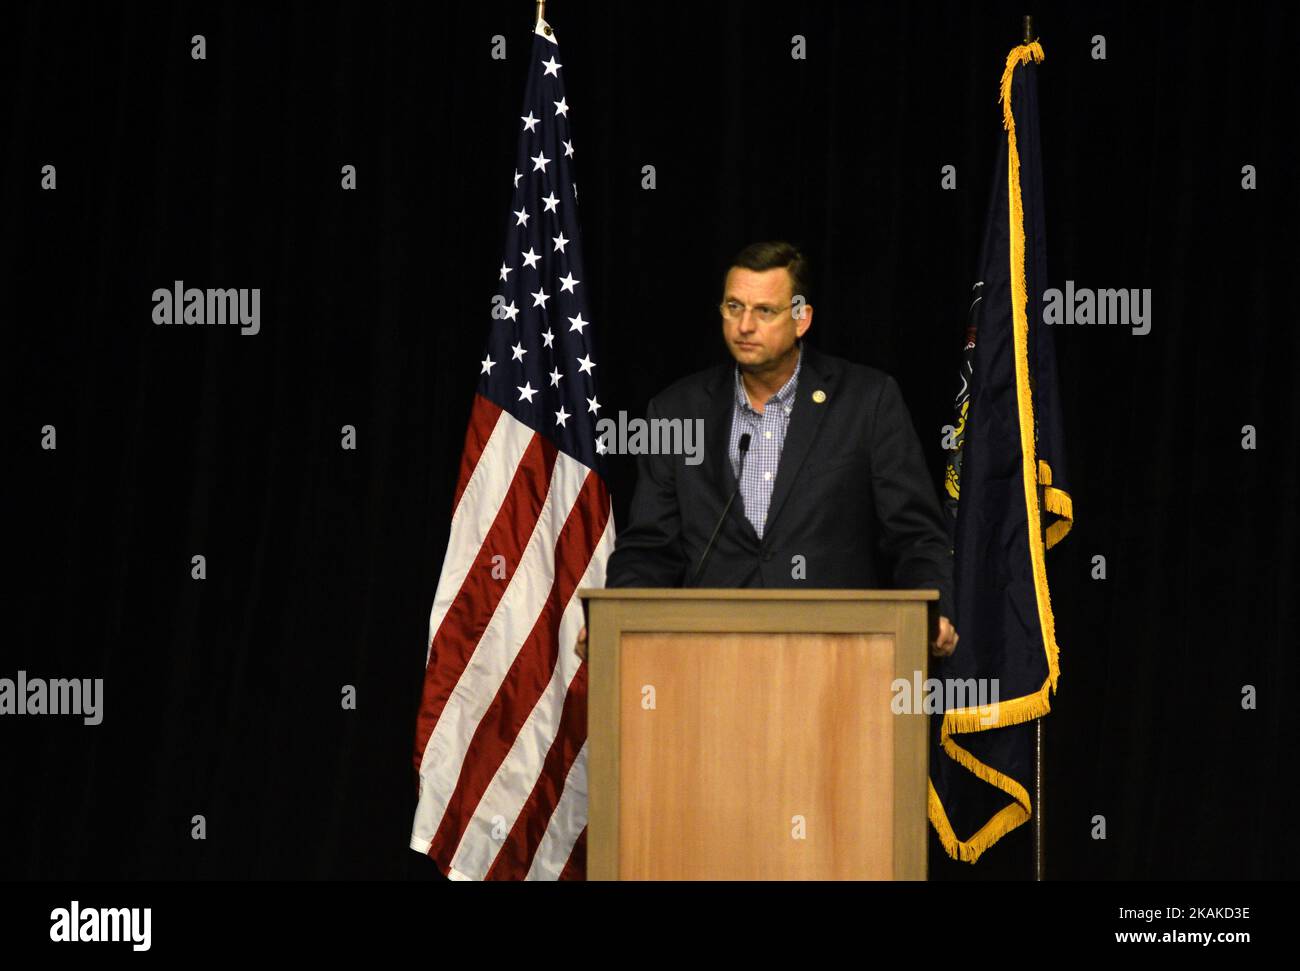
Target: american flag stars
<point>548,373</point>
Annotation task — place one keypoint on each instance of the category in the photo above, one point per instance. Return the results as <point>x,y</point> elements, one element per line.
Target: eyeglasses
<point>735,310</point>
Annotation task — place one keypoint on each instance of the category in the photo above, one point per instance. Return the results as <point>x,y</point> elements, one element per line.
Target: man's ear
<point>804,321</point>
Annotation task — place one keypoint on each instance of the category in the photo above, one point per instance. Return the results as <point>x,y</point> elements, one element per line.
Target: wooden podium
<point>749,734</point>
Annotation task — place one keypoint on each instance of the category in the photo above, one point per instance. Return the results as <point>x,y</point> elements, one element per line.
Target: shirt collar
<point>784,396</point>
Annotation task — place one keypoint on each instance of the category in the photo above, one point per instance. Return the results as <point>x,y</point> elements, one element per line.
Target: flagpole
<point>1039,862</point>
<point>1040,845</point>
<point>541,9</point>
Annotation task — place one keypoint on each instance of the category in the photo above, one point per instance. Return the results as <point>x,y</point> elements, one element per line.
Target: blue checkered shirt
<point>766,439</point>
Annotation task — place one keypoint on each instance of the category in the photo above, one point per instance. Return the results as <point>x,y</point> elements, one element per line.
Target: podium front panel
<point>752,737</point>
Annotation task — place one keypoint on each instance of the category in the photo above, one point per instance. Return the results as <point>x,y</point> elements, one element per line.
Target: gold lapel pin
<point>819,396</point>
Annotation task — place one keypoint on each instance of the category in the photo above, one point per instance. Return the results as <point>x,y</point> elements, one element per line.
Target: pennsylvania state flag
<point>1006,486</point>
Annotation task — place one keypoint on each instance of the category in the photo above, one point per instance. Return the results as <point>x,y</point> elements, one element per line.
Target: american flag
<point>501,735</point>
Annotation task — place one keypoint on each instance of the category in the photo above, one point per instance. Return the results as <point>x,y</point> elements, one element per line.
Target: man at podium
<point>811,473</point>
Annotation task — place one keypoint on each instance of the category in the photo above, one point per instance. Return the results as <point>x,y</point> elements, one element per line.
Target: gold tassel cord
<point>1058,503</point>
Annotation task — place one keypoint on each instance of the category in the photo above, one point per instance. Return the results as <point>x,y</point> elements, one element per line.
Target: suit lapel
<point>815,374</point>
<point>717,433</point>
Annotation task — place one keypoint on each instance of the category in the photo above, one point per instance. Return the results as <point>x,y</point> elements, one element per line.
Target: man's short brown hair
<point>770,256</point>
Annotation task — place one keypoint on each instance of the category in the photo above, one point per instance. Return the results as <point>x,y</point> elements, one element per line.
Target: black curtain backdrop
<point>222,696</point>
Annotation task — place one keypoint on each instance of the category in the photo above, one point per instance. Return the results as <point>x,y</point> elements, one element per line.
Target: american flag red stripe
<point>586,526</point>
<point>527,834</point>
<point>485,743</point>
<point>478,598</point>
<point>482,419</point>
<point>500,740</point>
<point>525,683</point>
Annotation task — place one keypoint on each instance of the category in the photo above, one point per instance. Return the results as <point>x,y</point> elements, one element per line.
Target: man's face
<point>760,344</point>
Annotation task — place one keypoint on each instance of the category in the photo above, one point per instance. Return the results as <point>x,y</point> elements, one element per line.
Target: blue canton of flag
<point>540,364</point>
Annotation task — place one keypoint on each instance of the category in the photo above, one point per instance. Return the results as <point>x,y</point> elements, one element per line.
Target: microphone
<point>744,448</point>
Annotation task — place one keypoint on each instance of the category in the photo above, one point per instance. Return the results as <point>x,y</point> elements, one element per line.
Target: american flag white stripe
<point>486,489</point>
<point>506,796</point>
<point>496,651</point>
<point>566,825</point>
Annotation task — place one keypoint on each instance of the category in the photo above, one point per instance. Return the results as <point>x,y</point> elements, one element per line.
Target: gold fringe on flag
<point>1016,710</point>
<point>1058,503</point>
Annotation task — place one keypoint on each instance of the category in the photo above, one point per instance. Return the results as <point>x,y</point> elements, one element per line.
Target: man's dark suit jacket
<point>852,493</point>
